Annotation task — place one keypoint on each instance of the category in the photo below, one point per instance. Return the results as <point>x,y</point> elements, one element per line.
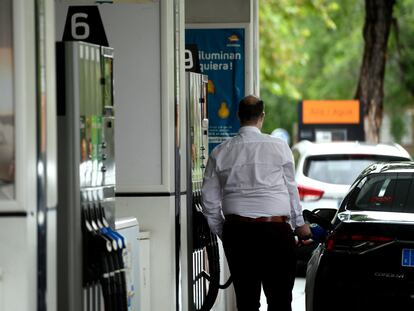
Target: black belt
<point>238,219</point>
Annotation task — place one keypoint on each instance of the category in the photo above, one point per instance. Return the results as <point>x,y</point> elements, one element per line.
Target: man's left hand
<point>303,232</point>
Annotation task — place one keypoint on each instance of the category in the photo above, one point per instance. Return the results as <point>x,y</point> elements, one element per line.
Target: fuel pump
<point>91,273</point>
<point>205,249</point>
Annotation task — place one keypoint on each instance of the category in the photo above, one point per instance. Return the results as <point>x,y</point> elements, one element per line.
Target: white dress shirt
<point>251,175</point>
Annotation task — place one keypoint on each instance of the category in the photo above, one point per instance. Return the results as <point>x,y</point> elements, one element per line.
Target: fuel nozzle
<point>318,232</point>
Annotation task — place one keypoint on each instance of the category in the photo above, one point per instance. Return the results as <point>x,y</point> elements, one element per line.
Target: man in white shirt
<point>251,201</point>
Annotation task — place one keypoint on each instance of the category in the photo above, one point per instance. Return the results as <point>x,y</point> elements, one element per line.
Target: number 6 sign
<point>84,23</point>
<point>77,24</point>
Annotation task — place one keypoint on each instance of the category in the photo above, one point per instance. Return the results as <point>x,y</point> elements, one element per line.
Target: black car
<point>367,260</point>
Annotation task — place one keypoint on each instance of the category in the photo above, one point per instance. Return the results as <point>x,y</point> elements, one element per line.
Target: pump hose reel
<point>206,282</point>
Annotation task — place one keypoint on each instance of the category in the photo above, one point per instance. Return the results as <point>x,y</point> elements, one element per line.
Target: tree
<point>370,90</point>
<point>308,50</point>
<point>318,49</point>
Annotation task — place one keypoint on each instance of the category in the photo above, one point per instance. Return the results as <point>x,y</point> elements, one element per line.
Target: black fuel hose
<point>205,240</point>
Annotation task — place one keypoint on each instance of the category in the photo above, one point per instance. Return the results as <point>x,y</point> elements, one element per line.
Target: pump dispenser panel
<point>205,261</point>
<point>91,272</point>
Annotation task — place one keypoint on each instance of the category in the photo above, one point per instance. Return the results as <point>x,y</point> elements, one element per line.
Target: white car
<point>325,171</point>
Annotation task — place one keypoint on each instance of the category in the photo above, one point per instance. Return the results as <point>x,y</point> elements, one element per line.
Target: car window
<point>386,192</point>
<point>341,169</point>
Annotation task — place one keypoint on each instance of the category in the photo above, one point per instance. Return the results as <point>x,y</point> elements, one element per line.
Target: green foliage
<point>281,111</point>
<point>312,49</point>
<point>397,126</point>
<point>399,78</point>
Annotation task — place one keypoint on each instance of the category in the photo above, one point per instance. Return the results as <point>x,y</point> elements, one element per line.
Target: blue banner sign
<point>222,58</point>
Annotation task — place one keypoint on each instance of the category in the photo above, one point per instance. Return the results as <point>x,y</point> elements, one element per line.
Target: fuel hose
<point>206,241</point>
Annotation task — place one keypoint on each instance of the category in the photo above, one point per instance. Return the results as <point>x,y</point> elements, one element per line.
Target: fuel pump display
<point>90,251</point>
<point>205,251</point>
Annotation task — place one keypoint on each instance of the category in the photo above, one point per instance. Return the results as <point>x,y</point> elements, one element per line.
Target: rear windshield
<point>385,192</point>
<point>341,169</point>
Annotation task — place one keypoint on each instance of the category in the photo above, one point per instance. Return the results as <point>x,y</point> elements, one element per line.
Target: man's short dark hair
<point>250,108</point>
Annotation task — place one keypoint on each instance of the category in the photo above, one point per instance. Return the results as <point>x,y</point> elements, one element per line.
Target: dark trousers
<point>261,254</point>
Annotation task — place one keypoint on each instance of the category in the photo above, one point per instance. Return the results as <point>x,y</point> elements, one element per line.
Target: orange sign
<point>330,112</point>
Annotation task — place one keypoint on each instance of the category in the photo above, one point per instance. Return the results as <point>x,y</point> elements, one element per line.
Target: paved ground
<point>298,303</point>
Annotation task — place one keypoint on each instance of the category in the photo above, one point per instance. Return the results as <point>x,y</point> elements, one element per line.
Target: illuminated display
<point>331,112</point>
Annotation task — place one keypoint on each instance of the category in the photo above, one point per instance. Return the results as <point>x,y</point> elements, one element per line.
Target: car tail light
<point>354,241</point>
<point>309,194</point>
